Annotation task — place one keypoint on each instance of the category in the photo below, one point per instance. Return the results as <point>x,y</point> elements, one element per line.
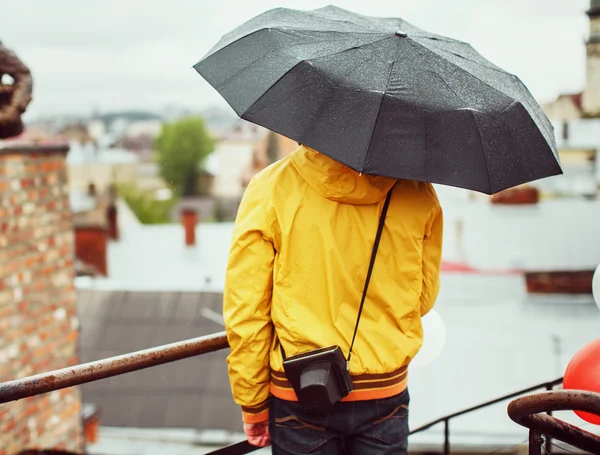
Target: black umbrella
<point>384,97</point>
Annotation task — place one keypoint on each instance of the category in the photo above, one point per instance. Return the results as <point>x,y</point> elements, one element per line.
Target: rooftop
<point>485,318</point>
<point>154,257</point>
<point>160,291</point>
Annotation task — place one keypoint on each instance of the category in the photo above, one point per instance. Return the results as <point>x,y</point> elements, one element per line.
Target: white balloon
<point>434,339</point>
<point>596,286</point>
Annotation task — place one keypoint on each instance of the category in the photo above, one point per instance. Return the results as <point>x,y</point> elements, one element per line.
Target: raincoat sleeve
<point>432,257</point>
<point>247,305</point>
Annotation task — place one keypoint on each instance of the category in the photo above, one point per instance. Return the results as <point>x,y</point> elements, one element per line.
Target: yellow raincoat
<point>299,256</point>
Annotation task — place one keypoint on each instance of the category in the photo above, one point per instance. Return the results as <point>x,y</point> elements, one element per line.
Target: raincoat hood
<point>338,182</point>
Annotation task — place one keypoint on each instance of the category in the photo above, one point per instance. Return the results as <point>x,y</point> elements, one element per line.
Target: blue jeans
<point>374,427</point>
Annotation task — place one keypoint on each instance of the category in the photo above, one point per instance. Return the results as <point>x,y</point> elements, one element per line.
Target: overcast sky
<point>115,54</point>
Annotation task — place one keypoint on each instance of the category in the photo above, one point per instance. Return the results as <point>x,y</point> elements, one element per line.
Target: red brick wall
<point>38,318</point>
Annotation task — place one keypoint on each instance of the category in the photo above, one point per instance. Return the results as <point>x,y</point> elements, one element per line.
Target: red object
<point>91,246</point>
<point>583,373</point>
<point>91,429</point>
<point>517,196</point>
<point>559,282</point>
<point>189,219</point>
<point>462,268</point>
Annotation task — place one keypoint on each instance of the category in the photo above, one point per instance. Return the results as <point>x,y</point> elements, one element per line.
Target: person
<point>300,251</point>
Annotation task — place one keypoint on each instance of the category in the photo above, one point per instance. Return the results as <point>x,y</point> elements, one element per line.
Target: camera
<point>319,377</point>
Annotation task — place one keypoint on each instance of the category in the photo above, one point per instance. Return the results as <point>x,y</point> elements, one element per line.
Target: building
<point>565,108</point>
<point>38,313</point>
<point>89,164</point>
<point>568,107</point>
<point>578,142</point>
<point>269,149</point>
<point>591,94</point>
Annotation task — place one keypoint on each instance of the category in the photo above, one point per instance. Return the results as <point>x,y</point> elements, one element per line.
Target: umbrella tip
<point>401,34</point>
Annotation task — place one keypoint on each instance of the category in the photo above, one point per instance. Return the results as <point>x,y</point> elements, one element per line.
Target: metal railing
<point>446,419</point>
<point>532,412</point>
<point>114,366</point>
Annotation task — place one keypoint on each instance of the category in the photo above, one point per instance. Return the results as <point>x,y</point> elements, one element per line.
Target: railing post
<point>447,437</point>
<point>535,442</point>
<point>548,446</point>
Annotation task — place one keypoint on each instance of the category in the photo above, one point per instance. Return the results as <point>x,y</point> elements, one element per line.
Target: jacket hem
<point>366,387</point>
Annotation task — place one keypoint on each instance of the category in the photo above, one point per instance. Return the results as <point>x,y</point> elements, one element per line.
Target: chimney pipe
<point>112,225</point>
<point>111,221</point>
<point>189,219</point>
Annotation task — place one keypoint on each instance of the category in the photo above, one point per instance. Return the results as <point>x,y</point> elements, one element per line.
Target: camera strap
<point>369,273</point>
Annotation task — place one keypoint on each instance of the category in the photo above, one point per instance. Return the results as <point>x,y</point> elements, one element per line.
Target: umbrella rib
<point>333,83</point>
<point>311,83</point>
<point>458,67</point>
<point>370,19</point>
<point>467,72</point>
<point>535,107</point>
<point>440,52</point>
<point>447,86</point>
<point>438,75</point>
<point>380,105</point>
<point>347,50</point>
<point>520,88</point>
<point>448,125</point>
<point>487,169</point>
<point>231,76</point>
<point>286,30</point>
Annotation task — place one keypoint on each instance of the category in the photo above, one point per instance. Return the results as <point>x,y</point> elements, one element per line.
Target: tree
<point>182,148</point>
<point>147,207</point>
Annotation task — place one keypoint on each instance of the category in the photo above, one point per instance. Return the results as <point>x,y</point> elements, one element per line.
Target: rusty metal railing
<point>112,366</point>
<point>525,411</point>
<point>532,412</point>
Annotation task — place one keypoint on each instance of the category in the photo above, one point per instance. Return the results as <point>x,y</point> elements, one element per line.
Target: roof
<point>558,234</point>
<point>582,133</point>
<point>192,393</point>
<point>155,258</point>
<point>499,340</point>
<point>89,154</point>
<point>565,106</point>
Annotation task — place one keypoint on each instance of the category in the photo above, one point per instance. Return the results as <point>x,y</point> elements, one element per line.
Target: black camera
<point>320,378</point>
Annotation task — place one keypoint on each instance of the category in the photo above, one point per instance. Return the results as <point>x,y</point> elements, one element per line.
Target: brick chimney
<point>38,312</point>
<point>189,220</point>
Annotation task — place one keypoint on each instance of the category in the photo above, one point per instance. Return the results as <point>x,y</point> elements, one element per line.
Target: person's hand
<point>258,433</point>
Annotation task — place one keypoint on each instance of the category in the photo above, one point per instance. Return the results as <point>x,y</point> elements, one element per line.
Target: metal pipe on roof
<point>112,366</point>
<point>530,411</point>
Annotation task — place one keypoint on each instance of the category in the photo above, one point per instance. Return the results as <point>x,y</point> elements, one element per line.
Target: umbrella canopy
<point>384,97</point>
